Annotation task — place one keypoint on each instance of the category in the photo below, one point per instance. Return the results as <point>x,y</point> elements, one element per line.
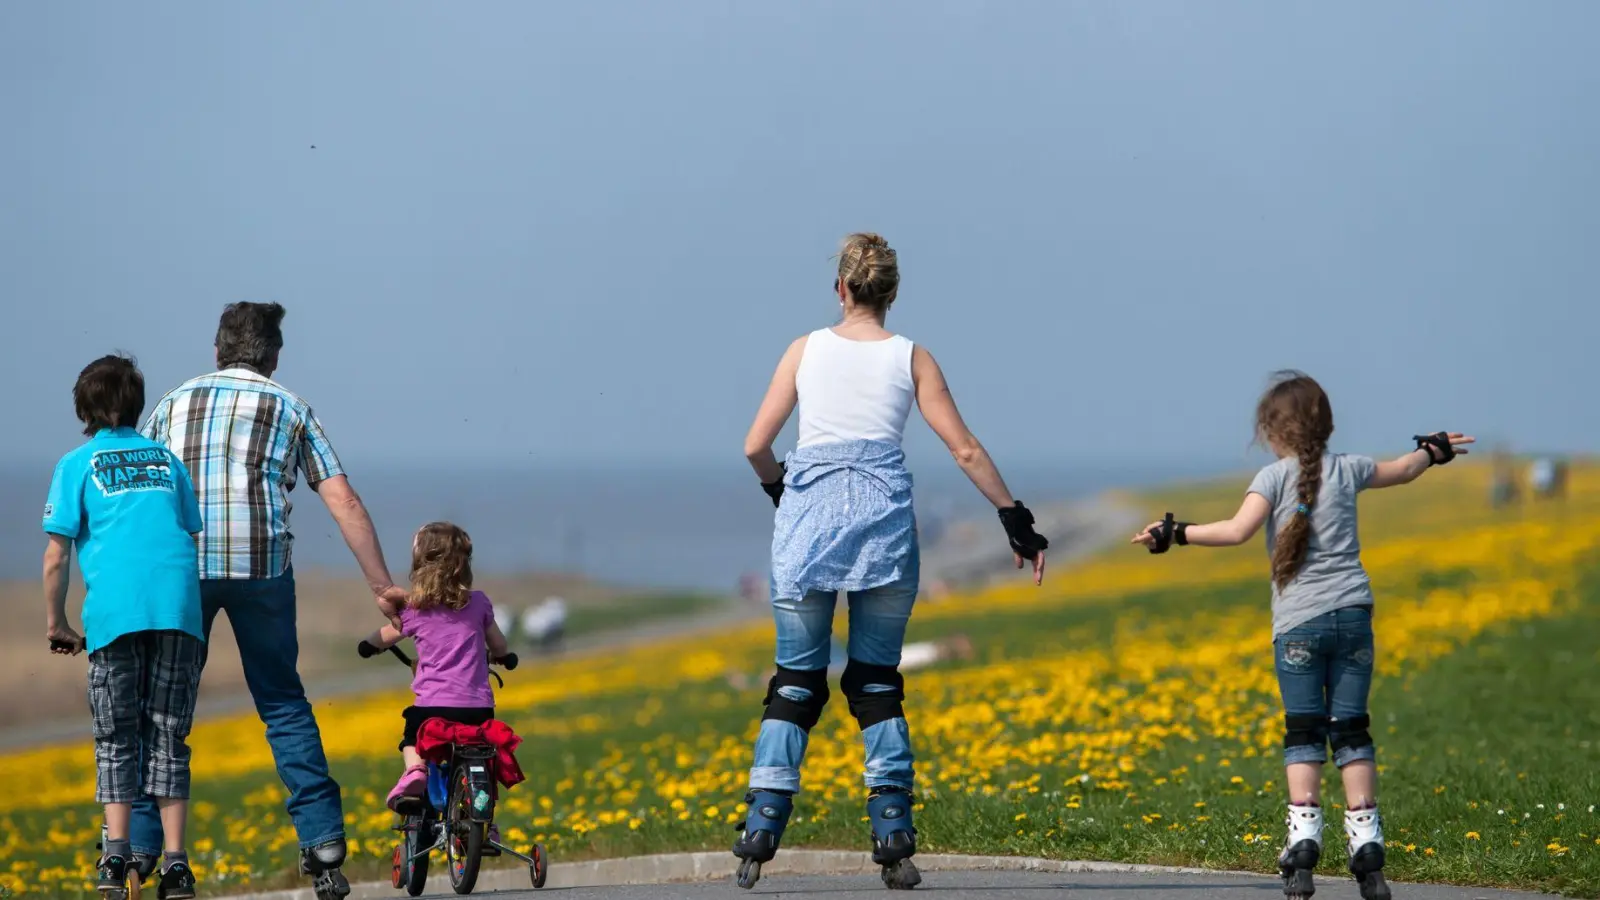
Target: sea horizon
<point>669,526</point>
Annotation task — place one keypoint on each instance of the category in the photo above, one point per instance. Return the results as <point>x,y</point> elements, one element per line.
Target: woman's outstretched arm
<point>939,411</point>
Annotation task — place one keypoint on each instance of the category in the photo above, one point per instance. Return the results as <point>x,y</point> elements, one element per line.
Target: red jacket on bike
<point>436,736</point>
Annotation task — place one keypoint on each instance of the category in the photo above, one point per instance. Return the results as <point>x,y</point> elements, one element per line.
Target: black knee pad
<point>1304,731</point>
<point>797,695</point>
<point>874,692</point>
<point>1350,734</point>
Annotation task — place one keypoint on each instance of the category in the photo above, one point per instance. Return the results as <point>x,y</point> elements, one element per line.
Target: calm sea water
<point>692,527</point>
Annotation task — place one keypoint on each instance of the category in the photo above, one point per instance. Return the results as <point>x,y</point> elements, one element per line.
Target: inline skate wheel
<point>1298,884</point>
<point>1373,886</point>
<point>901,875</point>
<point>749,873</point>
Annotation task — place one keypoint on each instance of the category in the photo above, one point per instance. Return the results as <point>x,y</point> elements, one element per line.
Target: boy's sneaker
<point>177,882</point>
<point>113,883</point>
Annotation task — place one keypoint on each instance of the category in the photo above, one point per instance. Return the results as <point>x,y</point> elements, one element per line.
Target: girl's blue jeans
<point>1324,674</point>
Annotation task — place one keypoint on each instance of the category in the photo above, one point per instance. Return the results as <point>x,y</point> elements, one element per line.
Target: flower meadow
<point>1125,711</point>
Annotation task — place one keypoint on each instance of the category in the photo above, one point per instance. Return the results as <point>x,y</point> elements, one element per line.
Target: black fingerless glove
<point>367,649</point>
<point>774,489</point>
<point>1169,532</point>
<point>1018,522</point>
<point>1437,446</point>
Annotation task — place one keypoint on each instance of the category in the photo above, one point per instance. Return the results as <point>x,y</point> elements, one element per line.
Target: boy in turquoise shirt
<point>128,506</point>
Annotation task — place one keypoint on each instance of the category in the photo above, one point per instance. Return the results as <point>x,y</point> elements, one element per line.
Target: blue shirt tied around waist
<point>846,521</point>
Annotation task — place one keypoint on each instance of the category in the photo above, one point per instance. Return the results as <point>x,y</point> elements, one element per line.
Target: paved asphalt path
<point>1001,885</point>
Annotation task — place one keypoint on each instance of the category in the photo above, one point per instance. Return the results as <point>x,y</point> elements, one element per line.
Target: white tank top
<point>853,390</point>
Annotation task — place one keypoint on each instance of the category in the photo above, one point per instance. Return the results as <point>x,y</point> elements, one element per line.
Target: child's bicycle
<point>456,813</point>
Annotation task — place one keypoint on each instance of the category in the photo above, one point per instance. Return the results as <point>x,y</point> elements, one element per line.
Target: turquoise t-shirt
<point>130,507</point>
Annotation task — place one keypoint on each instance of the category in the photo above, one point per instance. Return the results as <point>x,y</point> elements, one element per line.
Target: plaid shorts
<point>142,691</point>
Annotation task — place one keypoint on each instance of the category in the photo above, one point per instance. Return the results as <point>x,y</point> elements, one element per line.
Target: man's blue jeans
<point>877,632</point>
<point>262,613</point>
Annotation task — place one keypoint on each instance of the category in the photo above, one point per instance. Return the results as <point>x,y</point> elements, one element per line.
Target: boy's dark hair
<point>109,394</point>
<point>250,334</point>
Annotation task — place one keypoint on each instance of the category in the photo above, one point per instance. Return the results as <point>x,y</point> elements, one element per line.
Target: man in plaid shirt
<point>246,440</point>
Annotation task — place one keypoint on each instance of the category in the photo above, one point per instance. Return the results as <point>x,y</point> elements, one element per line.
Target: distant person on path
<point>246,440</point>
<point>845,523</point>
<point>1321,612</point>
<point>1548,476</point>
<point>546,624</point>
<point>1542,474</point>
<point>127,505</point>
<point>1503,480</point>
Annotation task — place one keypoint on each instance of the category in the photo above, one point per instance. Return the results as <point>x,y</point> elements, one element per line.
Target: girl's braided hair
<point>1294,416</point>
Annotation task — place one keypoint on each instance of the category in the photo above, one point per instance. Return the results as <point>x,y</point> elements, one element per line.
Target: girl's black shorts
<point>416,715</point>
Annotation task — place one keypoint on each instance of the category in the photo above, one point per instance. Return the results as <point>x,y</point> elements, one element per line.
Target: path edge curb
<point>706,865</point>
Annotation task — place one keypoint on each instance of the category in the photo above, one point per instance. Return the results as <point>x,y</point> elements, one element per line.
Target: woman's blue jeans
<point>877,631</point>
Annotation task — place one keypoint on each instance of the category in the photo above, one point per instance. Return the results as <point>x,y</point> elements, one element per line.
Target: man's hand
<point>391,600</point>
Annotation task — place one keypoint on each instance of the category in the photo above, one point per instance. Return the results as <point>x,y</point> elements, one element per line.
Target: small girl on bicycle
<point>1321,612</point>
<point>455,633</point>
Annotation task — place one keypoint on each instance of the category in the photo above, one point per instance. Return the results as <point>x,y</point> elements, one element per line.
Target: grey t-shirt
<point>1331,576</point>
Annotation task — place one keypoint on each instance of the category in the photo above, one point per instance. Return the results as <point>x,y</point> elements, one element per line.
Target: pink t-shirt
<point>452,653</point>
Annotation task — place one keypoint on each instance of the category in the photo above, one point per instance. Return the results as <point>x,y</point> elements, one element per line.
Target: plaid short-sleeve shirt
<point>245,439</point>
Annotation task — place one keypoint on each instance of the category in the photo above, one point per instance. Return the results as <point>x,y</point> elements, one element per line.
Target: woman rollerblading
<point>1321,612</point>
<point>845,523</point>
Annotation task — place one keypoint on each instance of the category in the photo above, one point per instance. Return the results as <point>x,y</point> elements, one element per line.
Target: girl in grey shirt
<point>1321,612</point>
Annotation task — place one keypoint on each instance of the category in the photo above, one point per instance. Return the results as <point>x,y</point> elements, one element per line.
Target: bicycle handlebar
<point>369,650</point>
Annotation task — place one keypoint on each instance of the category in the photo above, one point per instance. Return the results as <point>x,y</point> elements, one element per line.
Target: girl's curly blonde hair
<point>441,567</point>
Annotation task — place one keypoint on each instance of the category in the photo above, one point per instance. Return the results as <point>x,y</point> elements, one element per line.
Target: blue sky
<point>586,231</point>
